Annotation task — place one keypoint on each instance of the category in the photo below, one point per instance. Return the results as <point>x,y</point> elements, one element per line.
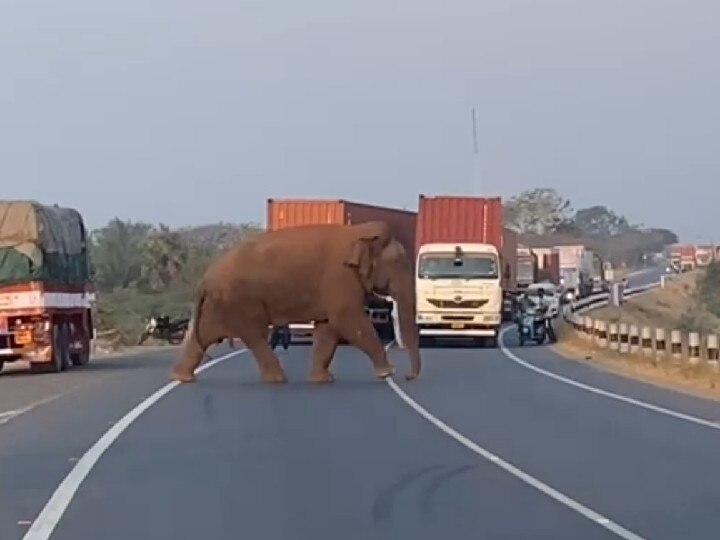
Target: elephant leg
<point>270,369</point>
<point>358,330</point>
<point>192,356</point>
<point>325,342</point>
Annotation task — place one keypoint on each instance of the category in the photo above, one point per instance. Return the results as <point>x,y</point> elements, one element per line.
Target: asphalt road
<point>231,458</point>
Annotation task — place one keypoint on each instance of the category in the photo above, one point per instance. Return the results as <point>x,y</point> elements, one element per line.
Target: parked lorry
<point>704,255</point>
<point>682,257</point>
<point>285,213</point>
<point>45,287</point>
<point>466,267</point>
<point>527,267</point>
<point>576,270</point>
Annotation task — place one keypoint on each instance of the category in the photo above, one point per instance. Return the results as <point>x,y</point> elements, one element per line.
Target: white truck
<point>576,270</point>
<point>465,268</point>
<point>459,291</point>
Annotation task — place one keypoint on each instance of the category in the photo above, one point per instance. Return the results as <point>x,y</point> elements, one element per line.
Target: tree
<point>666,236</point>
<point>116,254</point>
<point>600,221</point>
<point>539,211</point>
<point>163,257</point>
<point>708,291</point>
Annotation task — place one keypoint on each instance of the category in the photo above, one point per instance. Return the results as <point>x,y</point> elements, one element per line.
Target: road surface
<point>481,446</point>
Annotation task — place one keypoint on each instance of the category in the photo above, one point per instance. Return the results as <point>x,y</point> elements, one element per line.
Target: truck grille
<point>451,304</point>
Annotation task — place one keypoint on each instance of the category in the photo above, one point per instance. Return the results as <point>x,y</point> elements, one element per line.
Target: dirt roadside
<point>655,308</point>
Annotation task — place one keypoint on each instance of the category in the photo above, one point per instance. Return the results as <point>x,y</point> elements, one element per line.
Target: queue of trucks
<point>686,257</point>
<point>468,268</point>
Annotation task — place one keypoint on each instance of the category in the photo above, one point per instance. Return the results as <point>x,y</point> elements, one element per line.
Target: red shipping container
<point>551,267</point>
<point>459,219</point>
<point>285,213</point>
<point>468,220</point>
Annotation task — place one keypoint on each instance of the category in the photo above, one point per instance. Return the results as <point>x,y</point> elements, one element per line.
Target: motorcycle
<point>172,331</point>
<point>534,324</point>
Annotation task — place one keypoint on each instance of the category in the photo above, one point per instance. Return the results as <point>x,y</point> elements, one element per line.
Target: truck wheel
<point>63,346</point>
<point>82,357</point>
<point>59,354</point>
<point>492,341</point>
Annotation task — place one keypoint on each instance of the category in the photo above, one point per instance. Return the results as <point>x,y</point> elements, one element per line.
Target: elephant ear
<point>367,244</point>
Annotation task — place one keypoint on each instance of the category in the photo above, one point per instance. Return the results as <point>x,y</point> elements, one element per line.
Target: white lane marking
<point>508,467</point>
<point>631,401</point>
<point>6,416</point>
<point>54,509</point>
<point>9,415</point>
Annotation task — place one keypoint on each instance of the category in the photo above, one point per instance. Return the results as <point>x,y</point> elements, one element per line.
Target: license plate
<point>457,325</point>
<point>23,337</point>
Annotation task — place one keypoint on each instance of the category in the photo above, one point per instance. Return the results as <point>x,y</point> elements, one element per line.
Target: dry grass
<point>672,307</point>
<point>663,308</point>
<point>699,380</point>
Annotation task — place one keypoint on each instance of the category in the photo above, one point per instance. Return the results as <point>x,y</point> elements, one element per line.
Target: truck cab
<point>459,291</point>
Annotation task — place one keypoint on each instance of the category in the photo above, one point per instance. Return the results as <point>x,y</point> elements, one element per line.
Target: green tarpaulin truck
<point>45,286</point>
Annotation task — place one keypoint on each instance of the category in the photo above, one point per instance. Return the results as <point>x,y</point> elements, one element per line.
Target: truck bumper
<point>464,332</point>
<point>458,324</point>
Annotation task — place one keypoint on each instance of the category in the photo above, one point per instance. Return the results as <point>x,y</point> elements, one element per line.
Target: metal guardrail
<point>601,299</point>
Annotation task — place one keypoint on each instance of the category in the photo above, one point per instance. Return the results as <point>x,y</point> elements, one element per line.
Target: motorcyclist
<point>522,304</point>
<point>280,333</point>
<point>548,320</point>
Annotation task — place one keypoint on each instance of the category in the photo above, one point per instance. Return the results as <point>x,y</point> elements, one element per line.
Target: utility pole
<point>476,155</point>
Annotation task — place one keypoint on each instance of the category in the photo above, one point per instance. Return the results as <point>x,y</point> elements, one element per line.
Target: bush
<point>127,310</point>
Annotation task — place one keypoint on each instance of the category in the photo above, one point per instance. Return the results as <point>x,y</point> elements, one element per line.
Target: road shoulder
<point>666,375</point>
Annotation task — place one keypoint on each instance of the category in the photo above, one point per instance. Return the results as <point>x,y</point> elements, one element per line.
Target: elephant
<point>319,273</point>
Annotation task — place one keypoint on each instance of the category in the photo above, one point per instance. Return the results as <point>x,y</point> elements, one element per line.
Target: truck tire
<point>82,357</point>
<point>59,353</point>
<point>492,341</point>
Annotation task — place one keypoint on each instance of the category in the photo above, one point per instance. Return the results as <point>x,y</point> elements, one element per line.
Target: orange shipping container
<point>284,213</point>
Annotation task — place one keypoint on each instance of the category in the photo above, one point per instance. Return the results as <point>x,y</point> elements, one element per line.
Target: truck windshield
<point>468,266</point>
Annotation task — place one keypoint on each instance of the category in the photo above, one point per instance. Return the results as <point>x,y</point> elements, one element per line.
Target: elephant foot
<point>384,372</point>
<point>410,376</point>
<point>274,377</point>
<point>182,377</point>
<point>322,377</point>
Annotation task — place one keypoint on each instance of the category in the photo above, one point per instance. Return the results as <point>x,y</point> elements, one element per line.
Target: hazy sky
<point>190,112</point>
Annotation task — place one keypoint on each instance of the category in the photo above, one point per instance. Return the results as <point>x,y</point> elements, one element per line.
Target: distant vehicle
<point>534,325</point>
<point>551,296</point>
<point>171,330</point>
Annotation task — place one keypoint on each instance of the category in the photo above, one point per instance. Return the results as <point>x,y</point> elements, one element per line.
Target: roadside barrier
<point>645,341</point>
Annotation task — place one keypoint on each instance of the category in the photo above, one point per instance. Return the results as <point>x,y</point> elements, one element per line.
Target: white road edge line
<point>508,467</point>
<point>631,401</point>
<point>48,518</point>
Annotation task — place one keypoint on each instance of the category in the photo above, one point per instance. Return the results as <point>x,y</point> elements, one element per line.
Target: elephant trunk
<point>404,296</point>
